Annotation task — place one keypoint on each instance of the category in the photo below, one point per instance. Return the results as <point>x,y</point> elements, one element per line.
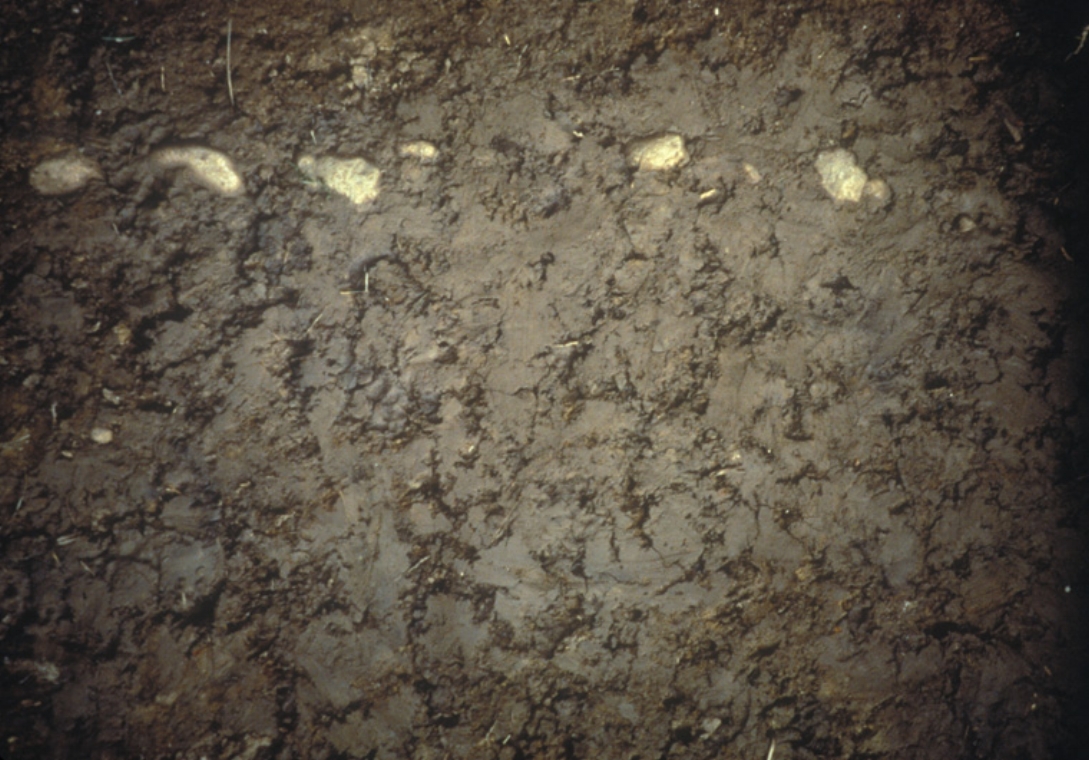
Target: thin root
<point>230,85</point>
<point>1081,42</point>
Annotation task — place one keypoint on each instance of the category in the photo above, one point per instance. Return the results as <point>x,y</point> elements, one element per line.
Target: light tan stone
<point>354,178</point>
<point>659,154</point>
<point>210,168</point>
<point>64,174</point>
<point>840,175</point>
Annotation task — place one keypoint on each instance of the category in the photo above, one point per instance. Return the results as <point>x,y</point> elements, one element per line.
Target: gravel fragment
<point>659,154</point>
<point>841,176</point>
<point>208,167</point>
<point>354,178</point>
<point>64,174</point>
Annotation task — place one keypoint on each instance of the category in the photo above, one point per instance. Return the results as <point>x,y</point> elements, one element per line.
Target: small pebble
<point>208,167</point>
<point>64,174</point>
<point>878,189</point>
<point>659,154</point>
<point>123,333</point>
<point>965,224</point>
<point>102,435</point>
<point>421,150</point>
<point>354,178</point>
<point>840,175</point>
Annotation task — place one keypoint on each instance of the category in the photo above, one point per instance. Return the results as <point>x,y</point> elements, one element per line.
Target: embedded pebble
<point>840,175</point>
<point>210,168</point>
<point>64,174</point>
<point>659,154</point>
<point>123,333</point>
<point>878,189</point>
<point>965,224</point>
<point>354,178</point>
<point>421,150</point>
<point>102,435</point>
<point>752,174</point>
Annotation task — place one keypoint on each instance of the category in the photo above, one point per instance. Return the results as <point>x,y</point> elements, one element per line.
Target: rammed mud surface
<point>547,450</point>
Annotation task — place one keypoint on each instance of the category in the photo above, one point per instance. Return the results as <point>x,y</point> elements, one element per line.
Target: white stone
<point>123,333</point>
<point>841,175</point>
<point>208,167</point>
<point>102,435</point>
<point>659,154</point>
<point>421,150</point>
<point>64,174</point>
<point>354,178</point>
<point>878,189</point>
<point>965,224</point>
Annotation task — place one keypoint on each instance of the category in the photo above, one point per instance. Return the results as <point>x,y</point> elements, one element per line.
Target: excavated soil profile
<point>480,379</point>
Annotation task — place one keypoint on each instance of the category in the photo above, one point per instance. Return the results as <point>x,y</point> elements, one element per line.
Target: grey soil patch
<point>549,449</point>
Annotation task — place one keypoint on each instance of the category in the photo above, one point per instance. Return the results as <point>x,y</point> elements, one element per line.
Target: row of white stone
<point>358,180</point>
<point>354,178</point>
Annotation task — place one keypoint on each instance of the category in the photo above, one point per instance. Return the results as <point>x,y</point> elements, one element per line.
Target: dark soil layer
<point>541,454</point>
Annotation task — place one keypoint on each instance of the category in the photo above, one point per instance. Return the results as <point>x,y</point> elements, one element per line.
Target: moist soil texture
<point>605,425</point>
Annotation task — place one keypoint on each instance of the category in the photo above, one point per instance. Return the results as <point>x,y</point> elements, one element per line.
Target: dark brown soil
<point>540,454</point>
